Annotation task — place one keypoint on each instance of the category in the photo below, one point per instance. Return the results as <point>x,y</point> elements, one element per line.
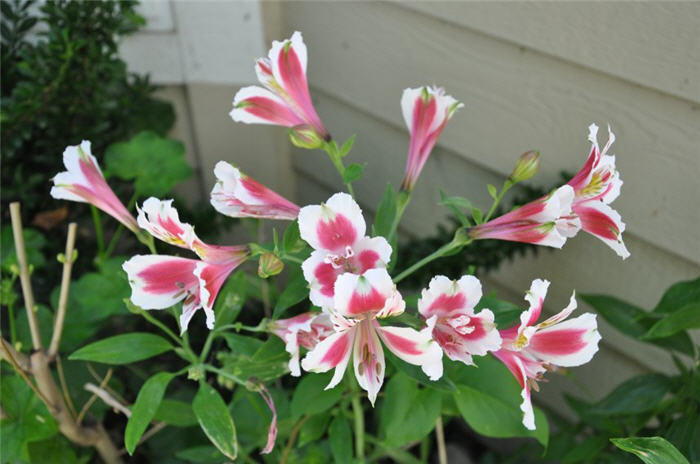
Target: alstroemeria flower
<point>285,100</point>
<point>238,195</point>
<point>160,281</point>
<point>358,302</point>
<point>596,185</point>
<point>426,111</point>
<point>83,181</point>
<point>530,349</point>
<point>305,330</point>
<point>546,221</point>
<point>448,306</point>
<point>336,232</point>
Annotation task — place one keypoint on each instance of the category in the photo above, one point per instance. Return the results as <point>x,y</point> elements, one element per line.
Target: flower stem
<point>337,161</point>
<point>506,186</point>
<point>459,241</point>
<point>402,200</point>
<point>359,417</point>
<point>161,326</point>
<point>98,231</point>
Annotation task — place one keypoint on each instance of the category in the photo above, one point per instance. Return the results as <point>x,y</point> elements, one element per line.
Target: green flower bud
<point>269,265</point>
<point>527,167</point>
<point>305,136</point>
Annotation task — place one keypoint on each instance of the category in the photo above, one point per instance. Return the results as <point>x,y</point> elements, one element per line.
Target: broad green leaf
<point>177,413</point>
<point>408,413</point>
<point>145,407</point>
<point>684,434</point>
<point>679,295</point>
<point>636,395</point>
<point>635,322</point>
<point>34,242</point>
<point>242,344</point>
<point>353,172</point>
<point>252,416</point>
<point>296,291</point>
<point>314,428</point>
<point>123,349</point>
<point>685,318</point>
<point>493,417</point>
<point>215,420</point>
<point>230,300</point>
<point>651,450</point>
<point>415,372</point>
<point>310,397</point>
<point>340,438</point>
<point>155,164</point>
<point>505,314</point>
<point>291,240</point>
<point>386,212</point>
<point>269,362</point>
<point>58,447</point>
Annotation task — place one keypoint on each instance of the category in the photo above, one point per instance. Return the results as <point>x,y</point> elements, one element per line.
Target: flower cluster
<point>348,281</point>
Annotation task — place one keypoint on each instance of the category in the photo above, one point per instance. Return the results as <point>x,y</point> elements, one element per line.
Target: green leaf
<point>635,322</point>
<point>455,204</point>
<point>477,215</point>
<point>242,344</point>
<point>201,455</point>
<point>408,413</point>
<point>145,407</point>
<point>687,317</point>
<point>58,447</point>
<point>215,420</point>
<point>34,242</point>
<point>679,295</point>
<point>310,397</point>
<point>123,349</point>
<point>586,451</point>
<point>386,212</point>
<point>353,172</point>
<point>347,146</point>
<point>154,163</point>
<point>493,191</point>
<point>638,394</point>
<point>231,299</point>
<point>314,428</point>
<point>416,373</point>
<point>291,240</point>
<point>505,313</point>
<point>340,438</point>
<point>651,450</point>
<point>177,413</point>
<point>269,362</point>
<point>296,291</point>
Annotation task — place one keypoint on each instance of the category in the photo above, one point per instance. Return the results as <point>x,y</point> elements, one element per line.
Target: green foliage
<point>340,438</point>
<point>145,408</point>
<point>123,349</point>
<point>155,164</point>
<point>652,450</point>
<point>215,420</point>
<point>270,361</point>
<point>67,86</point>
<point>310,396</point>
<point>34,243</point>
<point>296,291</point>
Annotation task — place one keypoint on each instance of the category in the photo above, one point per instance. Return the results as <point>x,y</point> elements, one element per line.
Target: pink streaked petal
<point>161,220</point>
<point>601,220</point>
<point>451,343</point>
<point>561,315</point>
<point>413,347</point>
<point>227,255</point>
<point>514,364</point>
<point>272,430</point>
<point>159,281</point>
<point>256,105</point>
<point>368,359</point>
<point>332,352</point>
<point>263,69</point>
<point>211,279</point>
<point>535,296</point>
<point>366,293</point>
<point>569,343</point>
<point>333,225</point>
<point>484,337</point>
<point>521,231</point>
<point>393,305</point>
<point>444,296</point>
<point>238,195</point>
<point>370,253</point>
<point>321,277</point>
<point>190,305</point>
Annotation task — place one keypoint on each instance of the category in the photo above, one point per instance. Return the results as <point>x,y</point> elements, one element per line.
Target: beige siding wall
<point>531,75</point>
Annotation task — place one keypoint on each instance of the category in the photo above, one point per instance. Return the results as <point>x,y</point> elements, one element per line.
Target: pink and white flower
<point>238,195</point>
<point>359,301</point>
<point>305,330</point>
<point>83,182</point>
<point>285,99</point>
<point>595,186</point>
<point>448,306</point>
<point>426,111</point>
<point>546,221</point>
<point>530,349</point>
<point>160,281</point>
<point>336,232</point>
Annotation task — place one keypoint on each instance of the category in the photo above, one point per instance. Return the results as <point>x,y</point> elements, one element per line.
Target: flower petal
<point>159,281</point>
<point>413,347</point>
<point>256,105</point>
<point>535,296</point>
<point>444,296</point>
<point>366,293</point>
<point>368,359</point>
<point>334,225</point>
<point>568,343</point>
<point>211,279</point>
<point>161,220</point>
<point>601,220</point>
<point>514,363</point>
<point>333,352</point>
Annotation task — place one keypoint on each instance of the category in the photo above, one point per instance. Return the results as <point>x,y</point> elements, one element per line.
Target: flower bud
<point>269,265</point>
<point>305,136</point>
<point>527,167</point>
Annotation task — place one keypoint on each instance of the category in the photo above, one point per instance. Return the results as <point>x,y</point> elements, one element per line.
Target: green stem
<point>338,163</point>
<point>262,327</point>
<point>98,231</point>
<point>402,201</point>
<point>506,186</point>
<point>161,326</point>
<point>292,258</point>
<point>113,242</point>
<point>359,419</point>
<point>224,374</point>
<point>460,240</point>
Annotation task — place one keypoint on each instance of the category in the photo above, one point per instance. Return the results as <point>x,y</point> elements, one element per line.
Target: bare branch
<point>24,275</point>
<point>65,286</point>
<point>107,398</point>
<point>93,397</point>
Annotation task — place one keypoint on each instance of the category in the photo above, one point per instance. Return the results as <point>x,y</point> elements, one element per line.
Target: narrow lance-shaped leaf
<point>123,349</point>
<point>145,407</point>
<point>651,450</point>
<point>215,420</point>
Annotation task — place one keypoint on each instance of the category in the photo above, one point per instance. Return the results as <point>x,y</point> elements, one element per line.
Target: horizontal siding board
<point>655,44</point>
<point>585,264</point>
<point>365,53</point>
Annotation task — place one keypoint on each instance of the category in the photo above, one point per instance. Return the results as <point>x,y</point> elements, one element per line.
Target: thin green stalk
<point>339,166</point>
<point>262,327</point>
<point>98,231</point>
<point>225,374</point>
<point>113,242</point>
<point>460,240</point>
<point>207,346</point>
<point>402,201</point>
<point>161,326</point>
<point>506,186</point>
<point>359,420</point>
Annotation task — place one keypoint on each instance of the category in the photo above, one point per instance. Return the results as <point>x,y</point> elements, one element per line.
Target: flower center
<point>343,261</point>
